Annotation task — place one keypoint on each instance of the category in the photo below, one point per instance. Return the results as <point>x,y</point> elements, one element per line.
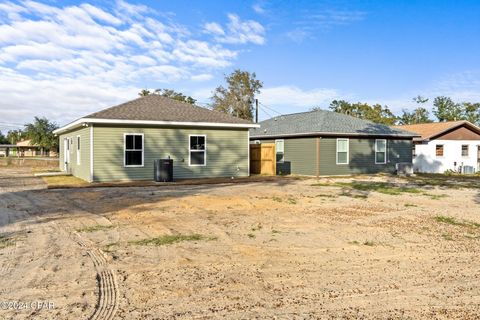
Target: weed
<point>277,199</point>
<point>326,195</point>
<point>435,196</point>
<point>5,242</point>
<point>97,227</point>
<point>275,231</point>
<point>291,200</point>
<point>453,221</point>
<point>369,243</point>
<point>108,247</point>
<point>171,239</point>
<point>251,236</point>
<point>354,242</point>
<point>257,227</point>
<point>410,205</point>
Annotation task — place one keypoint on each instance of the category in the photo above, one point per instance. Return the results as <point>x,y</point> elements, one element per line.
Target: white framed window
<point>343,146</point>
<point>133,150</point>
<point>197,150</point>
<point>78,150</point>
<point>464,150</point>
<point>380,151</point>
<point>280,150</point>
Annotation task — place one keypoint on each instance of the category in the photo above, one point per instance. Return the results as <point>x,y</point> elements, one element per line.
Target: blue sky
<point>65,59</point>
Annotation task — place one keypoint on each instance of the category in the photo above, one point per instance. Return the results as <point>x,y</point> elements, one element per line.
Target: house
<point>442,146</point>
<point>327,143</point>
<point>122,142</point>
<point>26,148</point>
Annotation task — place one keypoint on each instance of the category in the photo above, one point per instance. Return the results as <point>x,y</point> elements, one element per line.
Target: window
<point>78,150</point>
<point>464,150</point>
<point>380,151</point>
<point>439,150</point>
<point>279,149</point>
<point>133,150</point>
<point>198,150</point>
<point>342,151</point>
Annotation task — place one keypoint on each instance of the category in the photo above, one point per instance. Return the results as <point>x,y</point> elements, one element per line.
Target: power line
<point>271,109</point>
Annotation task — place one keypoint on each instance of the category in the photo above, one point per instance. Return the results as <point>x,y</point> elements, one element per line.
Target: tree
<point>471,112</point>
<point>376,113</point>
<point>420,100</point>
<point>144,93</point>
<point>446,110</point>
<point>315,108</point>
<point>41,133</point>
<point>15,135</point>
<point>172,94</point>
<point>237,99</point>
<point>3,139</point>
<point>419,115</point>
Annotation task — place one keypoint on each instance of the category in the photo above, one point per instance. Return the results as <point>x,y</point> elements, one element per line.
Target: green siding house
<point>122,142</point>
<point>320,142</point>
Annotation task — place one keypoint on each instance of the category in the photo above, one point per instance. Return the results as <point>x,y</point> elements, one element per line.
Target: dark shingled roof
<point>158,108</point>
<point>324,122</point>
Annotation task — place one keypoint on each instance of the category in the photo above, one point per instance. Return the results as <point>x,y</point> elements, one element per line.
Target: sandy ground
<point>281,250</point>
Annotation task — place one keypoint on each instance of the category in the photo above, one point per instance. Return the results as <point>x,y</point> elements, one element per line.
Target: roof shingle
<point>158,108</point>
<point>429,130</point>
<point>324,122</point>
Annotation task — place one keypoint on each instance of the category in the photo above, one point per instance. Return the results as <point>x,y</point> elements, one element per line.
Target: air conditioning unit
<point>468,169</point>
<point>404,168</point>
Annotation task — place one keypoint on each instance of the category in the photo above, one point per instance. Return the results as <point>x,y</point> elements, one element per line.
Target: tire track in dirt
<point>108,293</point>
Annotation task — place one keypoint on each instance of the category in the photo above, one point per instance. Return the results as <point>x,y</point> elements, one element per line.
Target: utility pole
<point>256,110</point>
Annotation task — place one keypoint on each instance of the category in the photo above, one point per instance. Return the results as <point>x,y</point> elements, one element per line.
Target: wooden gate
<point>263,159</point>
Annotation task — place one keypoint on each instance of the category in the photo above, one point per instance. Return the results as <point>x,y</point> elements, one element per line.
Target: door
<point>66,153</point>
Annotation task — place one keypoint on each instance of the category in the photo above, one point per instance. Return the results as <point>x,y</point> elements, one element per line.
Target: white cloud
<point>67,61</point>
<point>237,31</point>
<point>292,96</point>
<point>258,8</point>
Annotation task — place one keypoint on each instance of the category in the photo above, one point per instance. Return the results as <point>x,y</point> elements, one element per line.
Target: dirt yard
<point>351,248</point>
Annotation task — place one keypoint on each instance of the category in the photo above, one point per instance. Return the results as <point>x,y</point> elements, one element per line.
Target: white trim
<point>190,151</point>
<point>332,134</point>
<point>91,153</point>
<point>348,151</point>
<point>125,149</point>
<point>376,151</point>
<point>248,151</point>
<point>83,121</point>
<point>283,151</point>
<point>78,151</point>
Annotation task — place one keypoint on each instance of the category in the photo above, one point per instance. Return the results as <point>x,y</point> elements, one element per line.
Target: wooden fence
<point>263,159</point>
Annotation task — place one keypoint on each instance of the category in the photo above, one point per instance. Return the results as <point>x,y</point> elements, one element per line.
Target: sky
<point>65,59</point>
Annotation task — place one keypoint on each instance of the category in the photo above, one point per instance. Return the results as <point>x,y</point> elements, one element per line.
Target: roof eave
<point>332,134</point>
<point>87,121</point>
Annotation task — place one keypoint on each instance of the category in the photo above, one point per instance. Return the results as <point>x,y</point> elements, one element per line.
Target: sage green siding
<point>81,169</point>
<point>362,156</point>
<point>227,152</point>
<point>301,154</point>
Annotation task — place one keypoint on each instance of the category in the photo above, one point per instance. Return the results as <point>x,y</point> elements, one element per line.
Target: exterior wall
<point>227,152</point>
<point>362,156</point>
<point>81,170</point>
<point>426,160</point>
<point>301,154</point>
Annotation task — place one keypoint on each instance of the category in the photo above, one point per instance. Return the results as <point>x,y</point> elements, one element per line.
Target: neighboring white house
<point>445,146</point>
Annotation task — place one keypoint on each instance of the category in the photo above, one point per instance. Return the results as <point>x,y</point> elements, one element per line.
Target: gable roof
<point>158,110</point>
<point>427,131</point>
<point>322,122</point>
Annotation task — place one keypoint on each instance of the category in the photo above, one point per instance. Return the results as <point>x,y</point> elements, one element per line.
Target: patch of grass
<point>277,199</point>
<point>291,200</point>
<point>369,243</point>
<point>5,242</point>
<point>354,195</point>
<point>97,227</point>
<point>381,187</point>
<point>410,205</point>
<point>251,235</point>
<point>354,242</point>
<point>275,231</point>
<point>64,181</point>
<point>453,221</point>
<point>172,238</point>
